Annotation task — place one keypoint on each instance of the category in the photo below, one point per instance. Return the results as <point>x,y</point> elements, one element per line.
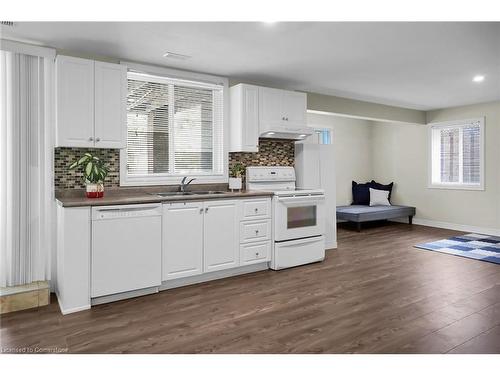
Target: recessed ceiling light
<point>478,78</point>
<point>270,133</point>
<point>303,135</point>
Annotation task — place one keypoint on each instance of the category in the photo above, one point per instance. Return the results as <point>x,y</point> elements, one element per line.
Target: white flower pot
<point>235,183</point>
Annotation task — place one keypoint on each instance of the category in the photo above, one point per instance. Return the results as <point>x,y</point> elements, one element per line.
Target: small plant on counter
<point>94,173</point>
<point>236,172</point>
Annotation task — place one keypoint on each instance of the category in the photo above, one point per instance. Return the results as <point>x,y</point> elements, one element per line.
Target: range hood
<point>290,133</point>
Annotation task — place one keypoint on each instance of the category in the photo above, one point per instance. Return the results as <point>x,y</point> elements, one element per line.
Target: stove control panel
<point>270,174</point>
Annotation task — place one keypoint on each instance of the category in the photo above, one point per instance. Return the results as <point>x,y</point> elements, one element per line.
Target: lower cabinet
<point>255,252</point>
<point>199,237</point>
<point>182,240</point>
<point>221,235</point>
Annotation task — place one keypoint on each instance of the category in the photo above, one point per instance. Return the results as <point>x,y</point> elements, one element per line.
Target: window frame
<point>169,179</point>
<point>456,124</point>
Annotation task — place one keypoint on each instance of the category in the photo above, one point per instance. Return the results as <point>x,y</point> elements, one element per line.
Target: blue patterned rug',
<point>475,246</point>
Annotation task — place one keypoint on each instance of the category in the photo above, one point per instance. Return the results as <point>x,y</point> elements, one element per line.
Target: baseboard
<point>125,295</point>
<point>331,246</point>
<point>170,284</point>
<point>65,311</point>
<point>451,226</point>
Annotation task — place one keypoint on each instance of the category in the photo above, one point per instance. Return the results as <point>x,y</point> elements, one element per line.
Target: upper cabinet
<point>244,118</point>
<point>110,99</point>
<point>74,102</point>
<point>281,109</point>
<point>261,111</point>
<point>90,103</point>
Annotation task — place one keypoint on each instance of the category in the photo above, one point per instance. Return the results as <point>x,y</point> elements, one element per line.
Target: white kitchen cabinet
<point>74,102</point>
<point>281,109</point>
<point>294,108</point>
<point>271,109</point>
<point>73,258</point>
<point>221,239</point>
<point>110,126</point>
<point>182,240</point>
<point>244,118</point>
<point>90,103</point>
<point>255,252</point>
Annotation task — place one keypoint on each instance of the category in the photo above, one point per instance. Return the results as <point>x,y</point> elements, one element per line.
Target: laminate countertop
<point>118,196</point>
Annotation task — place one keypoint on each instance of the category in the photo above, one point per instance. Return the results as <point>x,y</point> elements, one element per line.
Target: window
<point>174,129</point>
<point>323,136</point>
<point>457,154</point>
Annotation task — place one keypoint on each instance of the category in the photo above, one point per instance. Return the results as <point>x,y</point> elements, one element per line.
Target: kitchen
<point>153,230</point>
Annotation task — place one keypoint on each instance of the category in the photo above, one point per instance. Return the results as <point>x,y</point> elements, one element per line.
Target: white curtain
<point>25,170</point>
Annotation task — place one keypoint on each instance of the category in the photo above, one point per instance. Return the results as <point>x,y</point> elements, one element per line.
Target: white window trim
<point>451,185</point>
<point>162,179</point>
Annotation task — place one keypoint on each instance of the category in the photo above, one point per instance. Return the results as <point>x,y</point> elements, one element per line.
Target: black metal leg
<point>358,226</point>
<point>410,219</point>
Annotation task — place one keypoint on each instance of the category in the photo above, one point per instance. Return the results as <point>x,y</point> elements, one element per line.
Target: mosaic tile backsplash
<point>273,152</point>
<point>64,156</point>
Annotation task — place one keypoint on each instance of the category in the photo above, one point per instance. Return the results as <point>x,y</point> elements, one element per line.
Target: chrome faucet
<point>184,184</point>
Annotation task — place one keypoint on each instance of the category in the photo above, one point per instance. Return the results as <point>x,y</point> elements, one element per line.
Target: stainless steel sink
<point>173,193</point>
<point>206,192</point>
<point>182,193</point>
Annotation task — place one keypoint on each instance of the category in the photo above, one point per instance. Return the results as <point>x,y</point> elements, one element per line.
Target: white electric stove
<point>298,216</point>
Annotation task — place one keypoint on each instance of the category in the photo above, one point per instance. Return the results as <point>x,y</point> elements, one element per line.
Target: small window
<point>457,154</point>
<point>174,129</point>
<point>324,136</point>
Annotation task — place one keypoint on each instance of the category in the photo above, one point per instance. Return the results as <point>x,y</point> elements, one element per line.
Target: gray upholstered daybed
<point>361,213</point>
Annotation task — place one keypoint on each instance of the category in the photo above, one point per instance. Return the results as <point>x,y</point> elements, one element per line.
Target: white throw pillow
<point>379,197</point>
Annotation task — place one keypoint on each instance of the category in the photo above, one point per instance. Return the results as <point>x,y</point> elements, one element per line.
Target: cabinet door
<point>74,102</point>
<point>250,118</point>
<point>182,240</point>
<point>221,245</point>
<point>270,109</point>
<point>110,105</point>
<point>294,109</point>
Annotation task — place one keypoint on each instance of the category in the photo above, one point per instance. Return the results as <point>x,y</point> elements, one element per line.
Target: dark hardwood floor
<point>374,294</point>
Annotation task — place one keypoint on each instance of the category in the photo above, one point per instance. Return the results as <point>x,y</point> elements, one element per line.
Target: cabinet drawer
<point>257,230</point>
<point>255,252</point>
<point>256,208</point>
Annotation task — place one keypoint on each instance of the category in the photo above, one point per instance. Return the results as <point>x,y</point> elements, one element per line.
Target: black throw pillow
<point>379,186</point>
<point>361,193</point>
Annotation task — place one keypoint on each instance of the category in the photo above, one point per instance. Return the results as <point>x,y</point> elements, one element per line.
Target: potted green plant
<point>94,173</point>
<point>237,171</point>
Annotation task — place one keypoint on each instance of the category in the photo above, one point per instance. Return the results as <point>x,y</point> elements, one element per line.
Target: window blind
<point>449,155</point>
<point>456,153</point>
<point>174,127</point>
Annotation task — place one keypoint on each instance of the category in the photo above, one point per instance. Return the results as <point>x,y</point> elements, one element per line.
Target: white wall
<point>352,139</point>
<point>400,154</point>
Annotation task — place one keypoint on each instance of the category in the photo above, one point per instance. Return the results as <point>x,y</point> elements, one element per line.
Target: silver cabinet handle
<point>256,255</point>
<point>256,210</point>
<point>97,139</point>
<point>256,231</point>
<point>91,138</point>
<point>206,210</point>
<point>201,210</point>
<point>286,118</point>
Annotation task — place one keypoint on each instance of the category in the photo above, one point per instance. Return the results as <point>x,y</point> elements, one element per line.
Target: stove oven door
<point>299,216</point>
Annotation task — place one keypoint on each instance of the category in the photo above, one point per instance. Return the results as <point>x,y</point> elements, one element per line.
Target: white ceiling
<point>415,65</point>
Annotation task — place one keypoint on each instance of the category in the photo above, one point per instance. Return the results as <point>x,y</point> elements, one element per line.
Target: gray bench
<point>360,214</point>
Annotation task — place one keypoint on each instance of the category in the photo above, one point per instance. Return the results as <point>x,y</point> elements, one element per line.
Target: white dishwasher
<point>126,248</point>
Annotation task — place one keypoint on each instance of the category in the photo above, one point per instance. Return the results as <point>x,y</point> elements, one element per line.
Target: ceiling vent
<point>7,23</point>
<point>176,56</point>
